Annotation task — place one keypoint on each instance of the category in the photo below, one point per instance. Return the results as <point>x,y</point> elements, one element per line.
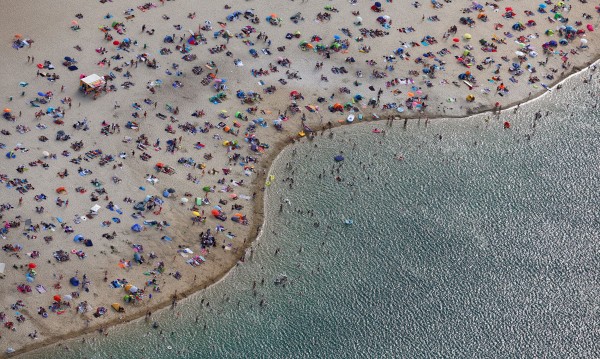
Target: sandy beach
<point>150,187</point>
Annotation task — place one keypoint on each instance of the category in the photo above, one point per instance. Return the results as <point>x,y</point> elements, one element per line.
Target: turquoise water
<point>482,243</point>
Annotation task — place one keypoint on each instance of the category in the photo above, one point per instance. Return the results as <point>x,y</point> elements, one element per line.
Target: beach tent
<point>136,228</point>
<point>91,83</point>
<point>338,158</point>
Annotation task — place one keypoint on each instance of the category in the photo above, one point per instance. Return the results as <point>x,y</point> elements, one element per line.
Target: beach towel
<point>40,288</point>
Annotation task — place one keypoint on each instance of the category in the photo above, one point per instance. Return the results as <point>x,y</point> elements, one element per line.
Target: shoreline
<point>258,218</point>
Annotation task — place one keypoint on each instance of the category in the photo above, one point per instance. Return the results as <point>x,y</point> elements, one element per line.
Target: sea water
<point>467,240</point>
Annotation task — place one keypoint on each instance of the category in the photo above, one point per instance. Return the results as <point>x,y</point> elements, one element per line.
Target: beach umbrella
<point>74,281</point>
<point>18,36</point>
<point>215,212</point>
<point>583,41</point>
<point>358,20</point>
<point>467,36</point>
<point>7,110</point>
<point>590,27</point>
<point>337,37</point>
<point>67,297</point>
<point>350,118</point>
<point>206,189</point>
<point>519,53</point>
<point>116,42</point>
<point>32,265</point>
<point>542,6</point>
<point>128,287</point>
<point>338,158</point>
<point>57,298</point>
<point>74,22</point>
<point>195,213</point>
<point>184,200</point>
<point>456,39</point>
<point>377,4</point>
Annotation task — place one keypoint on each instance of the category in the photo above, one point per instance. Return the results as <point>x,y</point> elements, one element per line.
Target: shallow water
<point>481,243</point>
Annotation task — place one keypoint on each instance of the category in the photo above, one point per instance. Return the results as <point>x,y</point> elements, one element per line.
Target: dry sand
<point>49,23</point>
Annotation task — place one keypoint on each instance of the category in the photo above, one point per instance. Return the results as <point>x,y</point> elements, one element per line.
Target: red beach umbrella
<point>32,265</point>
<point>116,42</point>
<point>215,212</point>
<point>57,298</point>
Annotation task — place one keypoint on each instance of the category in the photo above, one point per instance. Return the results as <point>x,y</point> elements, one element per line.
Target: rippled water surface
<point>482,242</point>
